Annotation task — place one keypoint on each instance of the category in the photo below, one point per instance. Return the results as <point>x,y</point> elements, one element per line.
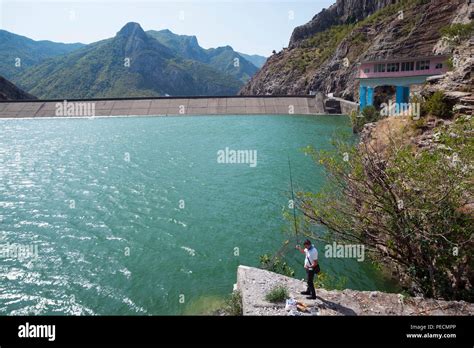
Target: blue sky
<point>249,26</point>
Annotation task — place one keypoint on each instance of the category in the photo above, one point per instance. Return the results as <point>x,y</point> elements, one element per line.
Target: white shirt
<point>311,254</point>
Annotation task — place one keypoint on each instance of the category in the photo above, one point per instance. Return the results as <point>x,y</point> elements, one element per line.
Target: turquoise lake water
<point>136,216</point>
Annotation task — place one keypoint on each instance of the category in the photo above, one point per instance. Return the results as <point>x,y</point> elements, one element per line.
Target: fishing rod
<point>281,251</point>
<point>293,201</point>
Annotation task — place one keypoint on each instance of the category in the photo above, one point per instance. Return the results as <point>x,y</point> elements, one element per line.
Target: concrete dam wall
<point>171,106</point>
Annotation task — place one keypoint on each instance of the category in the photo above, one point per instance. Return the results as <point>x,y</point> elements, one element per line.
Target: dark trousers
<point>310,277</point>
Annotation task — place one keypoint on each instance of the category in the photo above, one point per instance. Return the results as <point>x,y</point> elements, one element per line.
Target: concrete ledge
<point>347,107</point>
<point>238,105</point>
<point>255,283</point>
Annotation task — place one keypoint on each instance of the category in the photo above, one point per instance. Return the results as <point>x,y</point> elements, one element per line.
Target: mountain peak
<point>132,29</point>
<point>193,40</point>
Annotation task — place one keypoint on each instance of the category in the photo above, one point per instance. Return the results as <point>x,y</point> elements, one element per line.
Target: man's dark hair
<point>307,242</point>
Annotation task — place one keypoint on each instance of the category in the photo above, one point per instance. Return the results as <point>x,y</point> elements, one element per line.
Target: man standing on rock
<point>311,266</point>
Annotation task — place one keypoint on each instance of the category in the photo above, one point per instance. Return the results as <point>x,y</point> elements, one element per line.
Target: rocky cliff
<point>457,84</point>
<point>8,91</point>
<point>324,54</point>
<point>342,12</point>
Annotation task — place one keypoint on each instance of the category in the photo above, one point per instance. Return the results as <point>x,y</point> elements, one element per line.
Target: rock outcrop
<point>457,84</point>
<point>255,283</point>
<point>8,91</point>
<point>342,12</point>
<point>324,55</point>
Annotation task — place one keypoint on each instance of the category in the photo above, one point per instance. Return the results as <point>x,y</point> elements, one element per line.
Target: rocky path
<point>254,284</point>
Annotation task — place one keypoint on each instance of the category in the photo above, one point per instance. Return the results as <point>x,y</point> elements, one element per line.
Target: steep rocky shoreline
<point>255,283</point>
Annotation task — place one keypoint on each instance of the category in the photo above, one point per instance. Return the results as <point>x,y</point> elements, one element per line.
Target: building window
<point>439,66</point>
<point>379,68</point>
<point>423,65</point>
<point>408,66</point>
<point>393,67</point>
<point>366,70</point>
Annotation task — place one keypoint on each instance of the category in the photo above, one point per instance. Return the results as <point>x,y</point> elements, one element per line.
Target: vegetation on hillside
<point>327,41</point>
<point>458,32</point>
<point>368,114</point>
<point>321,46</point>
<point>223,59</point>
<point>159,63</point>
<point>99,70</point>
<point>18,53</point>
<point>436,105</point>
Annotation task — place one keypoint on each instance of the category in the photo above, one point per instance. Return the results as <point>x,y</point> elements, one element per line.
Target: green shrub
<point>449,63</point>
<point>277,294</point>
<point>458,32</point>
<point>277,265</point>
<point>436,105</point>
<point>329,282</point>
<point>369,114</point>
<point>418,99</point>
<point>391,10</point>
<point>322,45</point>
<point>233,305</point>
